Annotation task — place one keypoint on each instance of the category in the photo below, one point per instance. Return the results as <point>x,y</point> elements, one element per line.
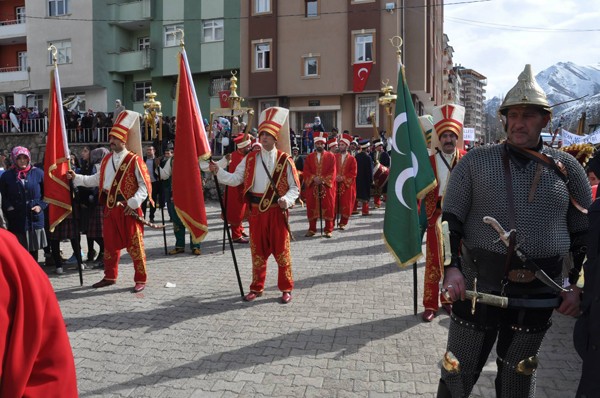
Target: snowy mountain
<point>563,82</point>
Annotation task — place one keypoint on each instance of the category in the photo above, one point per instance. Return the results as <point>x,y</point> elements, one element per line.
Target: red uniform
<point>121,231</point>
<point>325,205</point>
<point>36,359</point>
<point>268,222</point>
<point>434,267</point>
<point>346,189</point>
<point>234,199</point>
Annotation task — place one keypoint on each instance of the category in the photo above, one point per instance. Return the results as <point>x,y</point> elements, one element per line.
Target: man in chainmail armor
<point>538,192</point>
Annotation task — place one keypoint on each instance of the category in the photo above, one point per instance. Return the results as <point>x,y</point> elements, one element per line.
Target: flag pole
<point>72,189</point>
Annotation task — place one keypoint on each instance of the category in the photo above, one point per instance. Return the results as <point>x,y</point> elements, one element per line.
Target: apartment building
<point>300,55</point>
<point>472,97</point>
<point>116,49</point>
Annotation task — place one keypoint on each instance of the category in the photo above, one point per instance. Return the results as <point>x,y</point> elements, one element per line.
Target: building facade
<point>472,98</point>
<point>300,55</point>
<point>116,49</point>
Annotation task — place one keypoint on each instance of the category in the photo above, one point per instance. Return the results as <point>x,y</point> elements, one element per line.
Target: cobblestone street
<point>348,332</point>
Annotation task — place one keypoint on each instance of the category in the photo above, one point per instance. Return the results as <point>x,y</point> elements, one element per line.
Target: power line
<point>517,28</point>
<point>301,15</point>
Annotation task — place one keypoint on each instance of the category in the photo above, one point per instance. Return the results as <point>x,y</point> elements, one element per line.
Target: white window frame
<point>360,40</point>
<point>57,8</point>
<point>143,43</point>
<point>262,56</point>
<point>20,13</point>
<point>63,52</point>
<point>364,109</point>
<point>38,101</point>
<point>213,30</point>
<point>145,87</point>
<point>22,60</point>
<point>305,65</point>
<point>317,6</point>
<point>262,7</point>
<point>171,37</point>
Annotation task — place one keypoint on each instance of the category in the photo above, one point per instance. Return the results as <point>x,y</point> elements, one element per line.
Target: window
<point>265,104</point>
<point>58,7</point>
<point>173,35</point>
<point>365,104</point>
<point>63,55</point>
<point>22,60</point>
<point>262,56</point>
<point>38,101</point>
<point>311,8</point>
<point>363,47</point>
<point>212,30</point>
<point>140,89</point>
<point>143,43</point>
<point>75,101</point>
<point>20,12</point>
<point>218,84</point>
<point>262,6</point>
<point>310,67</point>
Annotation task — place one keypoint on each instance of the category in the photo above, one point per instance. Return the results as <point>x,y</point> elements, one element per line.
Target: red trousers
<point>434,267</point>
<point>123,232</point>
<point>312,226</point>
<point>269,235</point>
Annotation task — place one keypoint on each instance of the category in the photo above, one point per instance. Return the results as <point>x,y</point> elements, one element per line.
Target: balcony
<point>13,32</point>
<point>131,61</point>
<point>12,74</point>
<point>134,15</point>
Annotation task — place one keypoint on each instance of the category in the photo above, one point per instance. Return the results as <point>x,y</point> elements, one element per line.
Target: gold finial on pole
<point>396,42</point>
<point>181,42</point>
<point>234,98</point>
<point>54,54</point>
<point>388,101</point>
<point>151,111</point>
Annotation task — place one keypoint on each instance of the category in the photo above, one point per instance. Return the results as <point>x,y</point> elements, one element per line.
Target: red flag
<point>362,70</point>
<point>224,98</point>
<point>191,146</point>
<point>56,163</point>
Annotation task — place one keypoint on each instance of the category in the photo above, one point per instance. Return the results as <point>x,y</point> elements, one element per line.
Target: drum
<point>380,176</point>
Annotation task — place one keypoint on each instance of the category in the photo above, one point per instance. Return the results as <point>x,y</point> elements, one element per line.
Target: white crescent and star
<point>360,71</point>
<point>409,171</point>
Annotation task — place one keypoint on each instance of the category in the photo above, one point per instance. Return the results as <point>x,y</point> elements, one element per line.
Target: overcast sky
<point>498,37</point>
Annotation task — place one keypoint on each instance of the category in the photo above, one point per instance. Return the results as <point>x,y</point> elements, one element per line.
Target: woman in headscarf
<point>22,188</point>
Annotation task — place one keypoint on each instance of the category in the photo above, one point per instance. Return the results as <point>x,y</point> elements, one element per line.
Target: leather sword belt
<point>254,199</point>
<point>489,268</point>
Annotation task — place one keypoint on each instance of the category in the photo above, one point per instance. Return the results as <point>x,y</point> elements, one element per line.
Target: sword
<point>446,243</point>
<point>533,267</point>
<point>143,220</point>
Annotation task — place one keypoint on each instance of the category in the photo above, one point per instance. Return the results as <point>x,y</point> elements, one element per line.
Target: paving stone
<point>349,332</point>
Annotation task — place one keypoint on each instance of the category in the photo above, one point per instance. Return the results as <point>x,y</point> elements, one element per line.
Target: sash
<point>270,193</point>
<point>115,187</point>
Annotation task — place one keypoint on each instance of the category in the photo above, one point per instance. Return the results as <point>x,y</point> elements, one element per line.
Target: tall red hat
<point>320,136</point>
<point>242,141</point>
<point>346,139</point>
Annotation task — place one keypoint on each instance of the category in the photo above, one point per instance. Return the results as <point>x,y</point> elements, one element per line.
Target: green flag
<point>411,177</point>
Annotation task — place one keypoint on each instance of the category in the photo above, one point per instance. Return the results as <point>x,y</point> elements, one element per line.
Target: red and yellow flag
<point>56,163</point>
<point>190,147</point>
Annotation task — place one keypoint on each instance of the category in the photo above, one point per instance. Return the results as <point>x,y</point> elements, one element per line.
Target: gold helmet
<point>526,92</point>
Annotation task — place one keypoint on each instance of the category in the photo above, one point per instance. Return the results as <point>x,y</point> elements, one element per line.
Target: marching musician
<point>124,184</point>
<point>447,151</point>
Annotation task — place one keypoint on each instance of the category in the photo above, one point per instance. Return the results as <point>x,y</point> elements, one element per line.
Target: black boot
<point>443,391</point>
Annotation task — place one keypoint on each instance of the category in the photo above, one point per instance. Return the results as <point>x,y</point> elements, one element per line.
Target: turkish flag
<point>362,70</point>
<point>192,146</point>
<point>224,98</point>
<point>57,192</point>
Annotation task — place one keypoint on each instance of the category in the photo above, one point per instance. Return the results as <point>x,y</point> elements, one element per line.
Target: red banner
<point>361,74</point>
<point>224,98</point>
<point>191,146</point>
<point>56,162</point>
